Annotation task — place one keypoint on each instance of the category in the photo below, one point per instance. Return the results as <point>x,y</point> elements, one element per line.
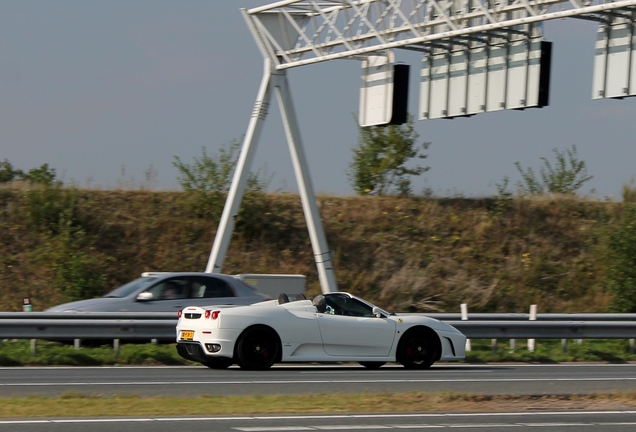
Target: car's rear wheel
<point>372,365</point>
<point>418,348</point>
<point>258,348</point>
<point>218,363</point>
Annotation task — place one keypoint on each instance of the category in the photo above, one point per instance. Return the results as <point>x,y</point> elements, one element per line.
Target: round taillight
<point>207,314</point>
<point>179,312</point>
<point>215,314</point>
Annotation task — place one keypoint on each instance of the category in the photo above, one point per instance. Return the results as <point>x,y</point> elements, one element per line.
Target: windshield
<point>130,287</point>
<point>372,306</point>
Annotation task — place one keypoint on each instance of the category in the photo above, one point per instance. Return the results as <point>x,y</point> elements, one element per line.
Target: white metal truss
<point>274,82</point>
<point>294,33</point>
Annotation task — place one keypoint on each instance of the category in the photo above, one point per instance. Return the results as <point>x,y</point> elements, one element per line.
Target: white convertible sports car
<point>334,327</point>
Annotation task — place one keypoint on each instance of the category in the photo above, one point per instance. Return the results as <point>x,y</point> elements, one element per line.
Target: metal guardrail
<point>546,329</point>
<point>136,326</point>
<point>525,317</point>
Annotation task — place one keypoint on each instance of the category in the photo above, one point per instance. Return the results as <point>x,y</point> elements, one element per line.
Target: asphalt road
<point>616,421</point>
<point>195,381</point>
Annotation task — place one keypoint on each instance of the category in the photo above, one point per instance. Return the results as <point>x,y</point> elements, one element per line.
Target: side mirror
<point>145,296</point>
<point>377,312</point>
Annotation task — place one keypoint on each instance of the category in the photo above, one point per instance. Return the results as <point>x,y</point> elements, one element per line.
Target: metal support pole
<point>322,253</point>
<point>464,310</point>
<point>237,188</point>
<point>631,346</point>
<point>494,346</point>
<point>533,317</point>
<point>34,347</point>
<point>77,344</point>
<point>116,347</point>
<point>564,345</point>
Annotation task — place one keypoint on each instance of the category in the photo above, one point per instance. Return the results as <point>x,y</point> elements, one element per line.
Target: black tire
<point>372,365</point>
<point>418,348</point>
<point>258,348</point>
<point>218,363</point>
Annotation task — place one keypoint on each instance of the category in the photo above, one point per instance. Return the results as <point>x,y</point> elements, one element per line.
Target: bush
<point>621,274</point>
<point>565,178</point>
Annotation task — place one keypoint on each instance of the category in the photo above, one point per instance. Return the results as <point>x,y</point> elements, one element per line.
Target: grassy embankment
<point>405,254</point>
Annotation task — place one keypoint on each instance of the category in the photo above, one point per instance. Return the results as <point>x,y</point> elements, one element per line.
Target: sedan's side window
<point>211,287</point>
<point>171,289</point>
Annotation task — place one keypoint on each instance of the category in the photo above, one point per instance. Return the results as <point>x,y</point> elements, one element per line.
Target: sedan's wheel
<point>417,349</point>
<point>218,363</point>
<point>257,348</point>
<point>372,365</point>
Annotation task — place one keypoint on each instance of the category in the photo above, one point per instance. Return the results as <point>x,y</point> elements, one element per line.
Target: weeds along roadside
<point>17,353</point>
<point>412,254</point>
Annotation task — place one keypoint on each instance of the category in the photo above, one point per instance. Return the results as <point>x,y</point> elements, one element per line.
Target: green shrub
<point>621,273</point>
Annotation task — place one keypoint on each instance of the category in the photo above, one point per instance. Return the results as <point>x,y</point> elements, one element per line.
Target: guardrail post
<point>494,346</point>
<point>631,346</point>
<point>116,347</point>
<point>34,347</point>
<point>512,345</point>
<point>77,343</point>
<point>564,345</point>
<point>464,308</point>
<point>533,317</point>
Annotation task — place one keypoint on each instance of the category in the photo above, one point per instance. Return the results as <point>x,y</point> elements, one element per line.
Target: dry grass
<point>83,405</point>
<point>406,254</point>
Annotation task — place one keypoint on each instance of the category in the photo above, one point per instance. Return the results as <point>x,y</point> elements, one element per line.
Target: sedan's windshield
<point>130,287</point>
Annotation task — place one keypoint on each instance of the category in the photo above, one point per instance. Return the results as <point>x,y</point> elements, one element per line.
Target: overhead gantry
<point>479,56</point>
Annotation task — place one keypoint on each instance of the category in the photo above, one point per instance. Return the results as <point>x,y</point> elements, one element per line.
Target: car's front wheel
<point>258,348</point>
<point>418,348</point>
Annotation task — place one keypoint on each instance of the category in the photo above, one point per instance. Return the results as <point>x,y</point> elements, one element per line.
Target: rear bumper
<point>194,351</point>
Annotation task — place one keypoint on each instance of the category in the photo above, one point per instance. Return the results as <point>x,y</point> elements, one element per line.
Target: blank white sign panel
<point>376,92</point>
<point>614,61</point>
<point>482,78</point>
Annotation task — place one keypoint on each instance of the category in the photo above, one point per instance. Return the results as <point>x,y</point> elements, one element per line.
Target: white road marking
<point>284,382</point>
<point>353,416</point>
<point>273,428</point>
<point>442,365</point>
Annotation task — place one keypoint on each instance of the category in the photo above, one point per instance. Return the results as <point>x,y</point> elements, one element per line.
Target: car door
<point>350,335</point>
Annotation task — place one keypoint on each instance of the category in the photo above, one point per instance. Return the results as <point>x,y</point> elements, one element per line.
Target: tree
<point>380,158</point>
<point>208,179</point>
<point>8,173</point>
<point>42,175</point>
<point>566,177</point>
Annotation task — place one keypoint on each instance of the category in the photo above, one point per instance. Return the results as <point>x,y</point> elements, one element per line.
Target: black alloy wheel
<point>372,365</point>
<point>258,348</point>
<point>418,349</point>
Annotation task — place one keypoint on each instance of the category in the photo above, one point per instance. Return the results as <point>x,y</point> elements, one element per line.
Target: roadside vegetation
<point>407,254</point>
<point>18,353</point>
<point>76,404</point>
<point>541,245</point>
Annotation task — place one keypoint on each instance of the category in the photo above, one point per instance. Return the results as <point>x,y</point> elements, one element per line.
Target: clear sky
<point>94,86</point>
